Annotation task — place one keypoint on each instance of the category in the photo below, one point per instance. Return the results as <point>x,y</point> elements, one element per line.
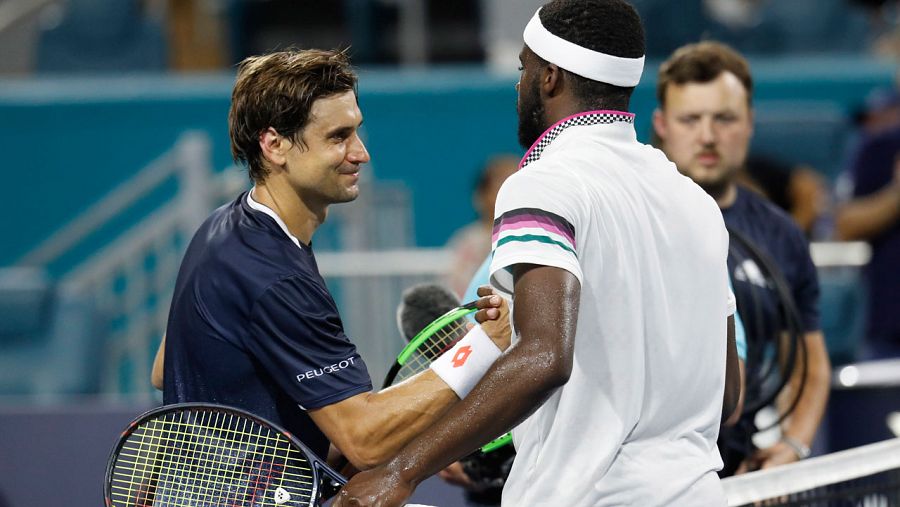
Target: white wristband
<point>462,366</point>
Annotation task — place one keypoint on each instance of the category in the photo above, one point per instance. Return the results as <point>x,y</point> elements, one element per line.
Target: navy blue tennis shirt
<point>775,233</point>
<point>252,325</point>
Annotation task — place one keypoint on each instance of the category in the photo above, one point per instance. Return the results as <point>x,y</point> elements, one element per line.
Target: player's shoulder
<point>773,226</point>
<point>252,248</point>
<point>755,205</point>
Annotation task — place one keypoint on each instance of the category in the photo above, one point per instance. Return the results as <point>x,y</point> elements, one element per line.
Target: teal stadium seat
<point>48,338</point>
<point>842,304</point>
<point>802,132</point>
<point>102,36</point>
<point>783,27</point>
<point>820,26</point>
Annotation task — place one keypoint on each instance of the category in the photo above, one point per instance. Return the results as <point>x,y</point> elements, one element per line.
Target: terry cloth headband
<point>614,70</point>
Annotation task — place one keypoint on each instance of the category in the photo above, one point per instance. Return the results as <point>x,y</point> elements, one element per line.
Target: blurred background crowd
<point>114,135</point>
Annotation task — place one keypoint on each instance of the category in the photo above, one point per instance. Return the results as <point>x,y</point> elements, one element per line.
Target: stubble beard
<point>718,186</point>
<point>532,117</point>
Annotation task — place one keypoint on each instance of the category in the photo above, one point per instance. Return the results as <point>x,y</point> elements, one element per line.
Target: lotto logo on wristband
<point>461,356</point>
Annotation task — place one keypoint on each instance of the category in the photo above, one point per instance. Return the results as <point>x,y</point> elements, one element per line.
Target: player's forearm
<point>804,420</point>
<point>524,376</point>
<point>733,374</point>
<point>390,418</point>
<point>516,385</point>
<point>867,217</point>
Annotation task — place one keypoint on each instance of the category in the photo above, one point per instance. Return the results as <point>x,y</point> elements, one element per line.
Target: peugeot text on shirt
<point>333,368</point>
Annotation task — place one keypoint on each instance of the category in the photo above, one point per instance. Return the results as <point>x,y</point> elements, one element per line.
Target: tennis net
<point>867,476</point>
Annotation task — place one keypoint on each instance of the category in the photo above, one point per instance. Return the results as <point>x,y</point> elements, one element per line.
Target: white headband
<point>615,70</point>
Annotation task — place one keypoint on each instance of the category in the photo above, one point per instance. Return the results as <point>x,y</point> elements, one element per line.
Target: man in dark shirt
<point>704,123</point>
<point>872,213</point>
<point>252,324</point>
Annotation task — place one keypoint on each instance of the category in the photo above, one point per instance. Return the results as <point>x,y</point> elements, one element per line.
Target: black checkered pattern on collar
<point>581,120</point>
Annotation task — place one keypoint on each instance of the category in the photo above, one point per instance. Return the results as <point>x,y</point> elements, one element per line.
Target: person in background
<point>799,190</point>
<point>704,122</point>
<point>472,243</point>
<point>869,210</point>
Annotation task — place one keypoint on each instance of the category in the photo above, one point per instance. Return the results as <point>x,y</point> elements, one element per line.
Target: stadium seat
<point>102,36</point>
<point>820,26</point>
<point>842,310</point>
<point>48,343</point>
<point>798,132</point>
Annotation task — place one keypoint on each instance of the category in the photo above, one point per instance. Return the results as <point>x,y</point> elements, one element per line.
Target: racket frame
<point>423,335</point>
<point>318,466</point>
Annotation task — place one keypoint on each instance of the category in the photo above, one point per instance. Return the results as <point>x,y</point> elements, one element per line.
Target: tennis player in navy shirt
<point>252,323</point>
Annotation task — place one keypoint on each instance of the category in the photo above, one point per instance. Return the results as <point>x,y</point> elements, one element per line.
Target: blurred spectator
<point>880,112</point>
<point>760,27</point>
<point>704,123</point>
<point>884,26</point>
<point>870,192</point>
<point>692,20</point>
<point>799,190</point>
<point>472,243</point>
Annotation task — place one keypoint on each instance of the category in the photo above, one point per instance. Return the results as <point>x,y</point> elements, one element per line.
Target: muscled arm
<point>371,427</point>
<point>866,217</point>
<point>734,381</point>
<point>804,420</point>
<point>546,314</point>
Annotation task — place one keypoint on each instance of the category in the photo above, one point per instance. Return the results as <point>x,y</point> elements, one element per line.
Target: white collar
<point>586,118</point>
<point>268,211</point>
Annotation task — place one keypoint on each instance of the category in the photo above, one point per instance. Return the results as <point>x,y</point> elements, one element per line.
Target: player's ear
<point>274,147</point>
<point>551,80</point>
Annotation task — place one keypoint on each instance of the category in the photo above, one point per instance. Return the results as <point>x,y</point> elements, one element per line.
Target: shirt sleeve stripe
<point>534,238</point>
<point>533,217</point>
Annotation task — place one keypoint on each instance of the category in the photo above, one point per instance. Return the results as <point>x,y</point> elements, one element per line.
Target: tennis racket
<point>775,345</point>
<point>433,340</point>
<point>203,455</point>
<point>436,338</point>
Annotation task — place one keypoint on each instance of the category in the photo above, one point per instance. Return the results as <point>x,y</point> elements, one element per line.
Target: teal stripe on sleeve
<point>533,237</point>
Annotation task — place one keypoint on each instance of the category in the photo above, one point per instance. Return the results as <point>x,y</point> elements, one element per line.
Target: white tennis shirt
<point>637,422</point>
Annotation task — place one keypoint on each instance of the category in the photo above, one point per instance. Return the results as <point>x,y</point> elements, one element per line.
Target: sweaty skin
<point>515,386</point>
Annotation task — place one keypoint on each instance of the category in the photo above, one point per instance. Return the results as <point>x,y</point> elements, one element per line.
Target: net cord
<point>812,473</point>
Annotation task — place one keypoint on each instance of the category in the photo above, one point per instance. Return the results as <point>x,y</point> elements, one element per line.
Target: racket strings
<point>439,342</point>
<point>185,477</point>
<point>225,461</point>
<point>213,450</point>
<point>773,328</point>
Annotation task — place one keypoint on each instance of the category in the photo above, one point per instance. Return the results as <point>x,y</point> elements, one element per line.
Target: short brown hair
<point>278,90</point>
<point>702,62</point>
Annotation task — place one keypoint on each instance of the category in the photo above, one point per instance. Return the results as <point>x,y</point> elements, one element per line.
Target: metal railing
<point>130,280</point>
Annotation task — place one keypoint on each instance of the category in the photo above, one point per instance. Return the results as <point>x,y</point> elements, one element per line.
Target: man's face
<point>532,122</point>
<point>705,130</point>
<point>326,170</point>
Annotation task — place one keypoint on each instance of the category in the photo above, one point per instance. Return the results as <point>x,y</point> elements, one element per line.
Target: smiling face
<point>324,168</point>
<point>705,129</point>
